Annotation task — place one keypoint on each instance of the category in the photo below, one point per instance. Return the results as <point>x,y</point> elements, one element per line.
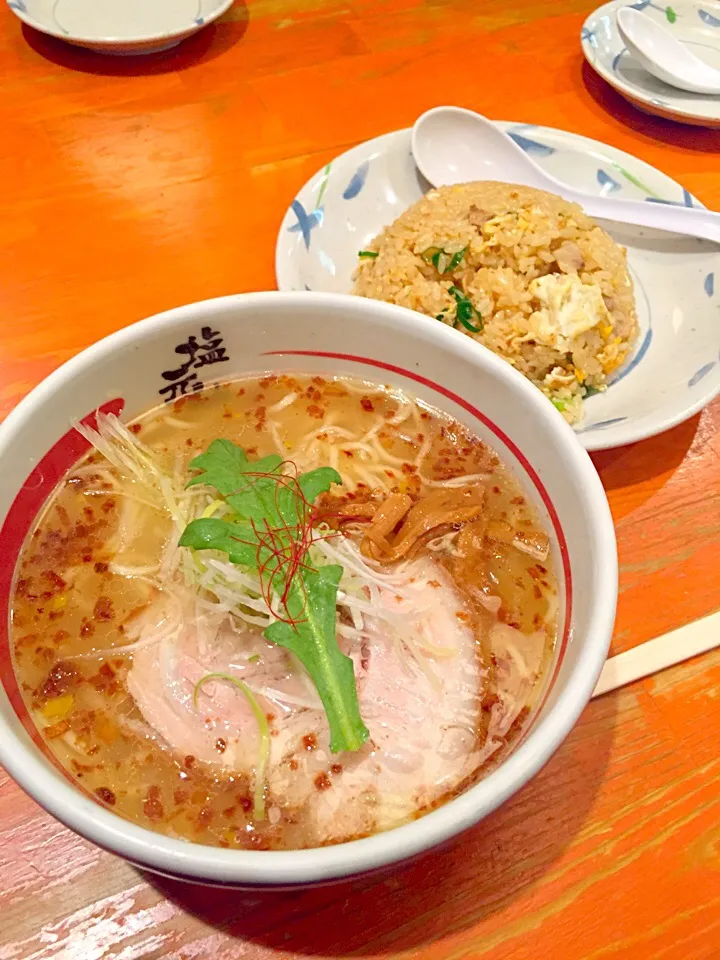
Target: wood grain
<point>132,186</point>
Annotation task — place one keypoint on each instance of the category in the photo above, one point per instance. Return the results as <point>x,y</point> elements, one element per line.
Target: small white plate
<point>675,368</point>
<point>695,22</point>
<point>120,27</point>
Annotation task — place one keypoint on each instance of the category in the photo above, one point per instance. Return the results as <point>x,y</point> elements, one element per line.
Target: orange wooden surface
<point>132,186</point>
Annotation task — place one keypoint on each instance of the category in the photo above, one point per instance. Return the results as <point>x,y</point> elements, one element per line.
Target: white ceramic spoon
<point>664,55</point>
<point>453,145</point>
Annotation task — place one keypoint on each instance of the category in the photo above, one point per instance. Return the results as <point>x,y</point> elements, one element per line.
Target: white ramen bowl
<point>332,334</point>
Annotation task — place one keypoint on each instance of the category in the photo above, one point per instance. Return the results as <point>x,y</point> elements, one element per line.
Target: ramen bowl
<point>330,334</point>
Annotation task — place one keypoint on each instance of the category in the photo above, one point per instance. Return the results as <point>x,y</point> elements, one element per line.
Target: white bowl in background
<point>332,334</point>
<point>120,27</point>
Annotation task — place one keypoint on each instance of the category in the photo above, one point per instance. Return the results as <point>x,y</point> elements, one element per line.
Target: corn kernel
<point>59,707</point>
<point>579,374</point>
<point>606,330</point>
<point>106,729</point>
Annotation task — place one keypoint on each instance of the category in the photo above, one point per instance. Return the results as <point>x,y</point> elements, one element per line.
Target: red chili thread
<point>282,550</point>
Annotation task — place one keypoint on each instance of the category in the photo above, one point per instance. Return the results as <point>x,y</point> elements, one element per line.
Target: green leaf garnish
<point>271,532</point>
<point>443,261</point>
<point>465,311</point>
<point>670,14</point>
<point>263,730</point>
<point>370,254</point>
<point>590,391</point>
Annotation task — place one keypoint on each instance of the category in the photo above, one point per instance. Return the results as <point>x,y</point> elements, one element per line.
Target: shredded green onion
<point>443,261</point>
<point>456,259</point>
<point>263,729</point>
<point>370,254</point>
<point>465,311</point>
<point>590,391</point>
<point>559,404</point>
<point>212,508</point>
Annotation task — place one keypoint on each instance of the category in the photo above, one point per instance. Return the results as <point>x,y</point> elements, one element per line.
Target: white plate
<point>675,369</point>
<point>695,22</point>
<point>121,27</point>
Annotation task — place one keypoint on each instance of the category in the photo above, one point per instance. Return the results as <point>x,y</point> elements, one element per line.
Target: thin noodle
<point>362,448</point>
<point>364,387</point>
<point>123,570</point>
<point>93,469</point>
<point>373,482</point>
<point>273,429</point>
<point>180,424</point>
<point>124,493</point>
<point>464,481</point>
<point>391,458</point>
<point>373,431</point>
<point>282,404</point>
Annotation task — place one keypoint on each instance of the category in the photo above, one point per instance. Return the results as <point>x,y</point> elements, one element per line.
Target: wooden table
<point>130,186</point>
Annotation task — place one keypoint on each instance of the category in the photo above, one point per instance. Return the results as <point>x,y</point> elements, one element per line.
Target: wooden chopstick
<point>659,654</point>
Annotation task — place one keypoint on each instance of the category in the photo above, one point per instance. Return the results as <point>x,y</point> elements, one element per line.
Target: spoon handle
<point>693,221</point>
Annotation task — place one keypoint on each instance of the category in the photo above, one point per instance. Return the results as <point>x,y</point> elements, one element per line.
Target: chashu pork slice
<point>422,707</point>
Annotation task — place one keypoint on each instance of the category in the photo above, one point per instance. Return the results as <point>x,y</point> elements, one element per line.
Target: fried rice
<point>519,270</point>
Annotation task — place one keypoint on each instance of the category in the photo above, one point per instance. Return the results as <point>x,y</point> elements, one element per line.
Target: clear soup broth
<point>326,655</point>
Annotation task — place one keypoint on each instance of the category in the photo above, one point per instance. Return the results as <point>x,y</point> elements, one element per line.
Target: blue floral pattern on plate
<point>709,19</point>
<point>603,424</point>
<point>306,222</point>
<point>668,11</point>
<point>357,181</point>
<point>636,359</point>
<point>687,201</point>
<point>701,374</point>
<point>152,27</point>
<point>608,183</point>
<point>532,147</point>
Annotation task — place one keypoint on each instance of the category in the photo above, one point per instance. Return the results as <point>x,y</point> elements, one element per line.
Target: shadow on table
<point>465,884</point>
<point>211,42</point>
<point>650,462</point>
<point>657,128</point>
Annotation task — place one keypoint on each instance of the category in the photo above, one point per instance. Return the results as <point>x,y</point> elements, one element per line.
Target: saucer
<point>120,27</point>
<point>696,24</point>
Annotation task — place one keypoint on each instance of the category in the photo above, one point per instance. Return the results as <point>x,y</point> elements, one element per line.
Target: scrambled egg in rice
<point>521,271</point>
